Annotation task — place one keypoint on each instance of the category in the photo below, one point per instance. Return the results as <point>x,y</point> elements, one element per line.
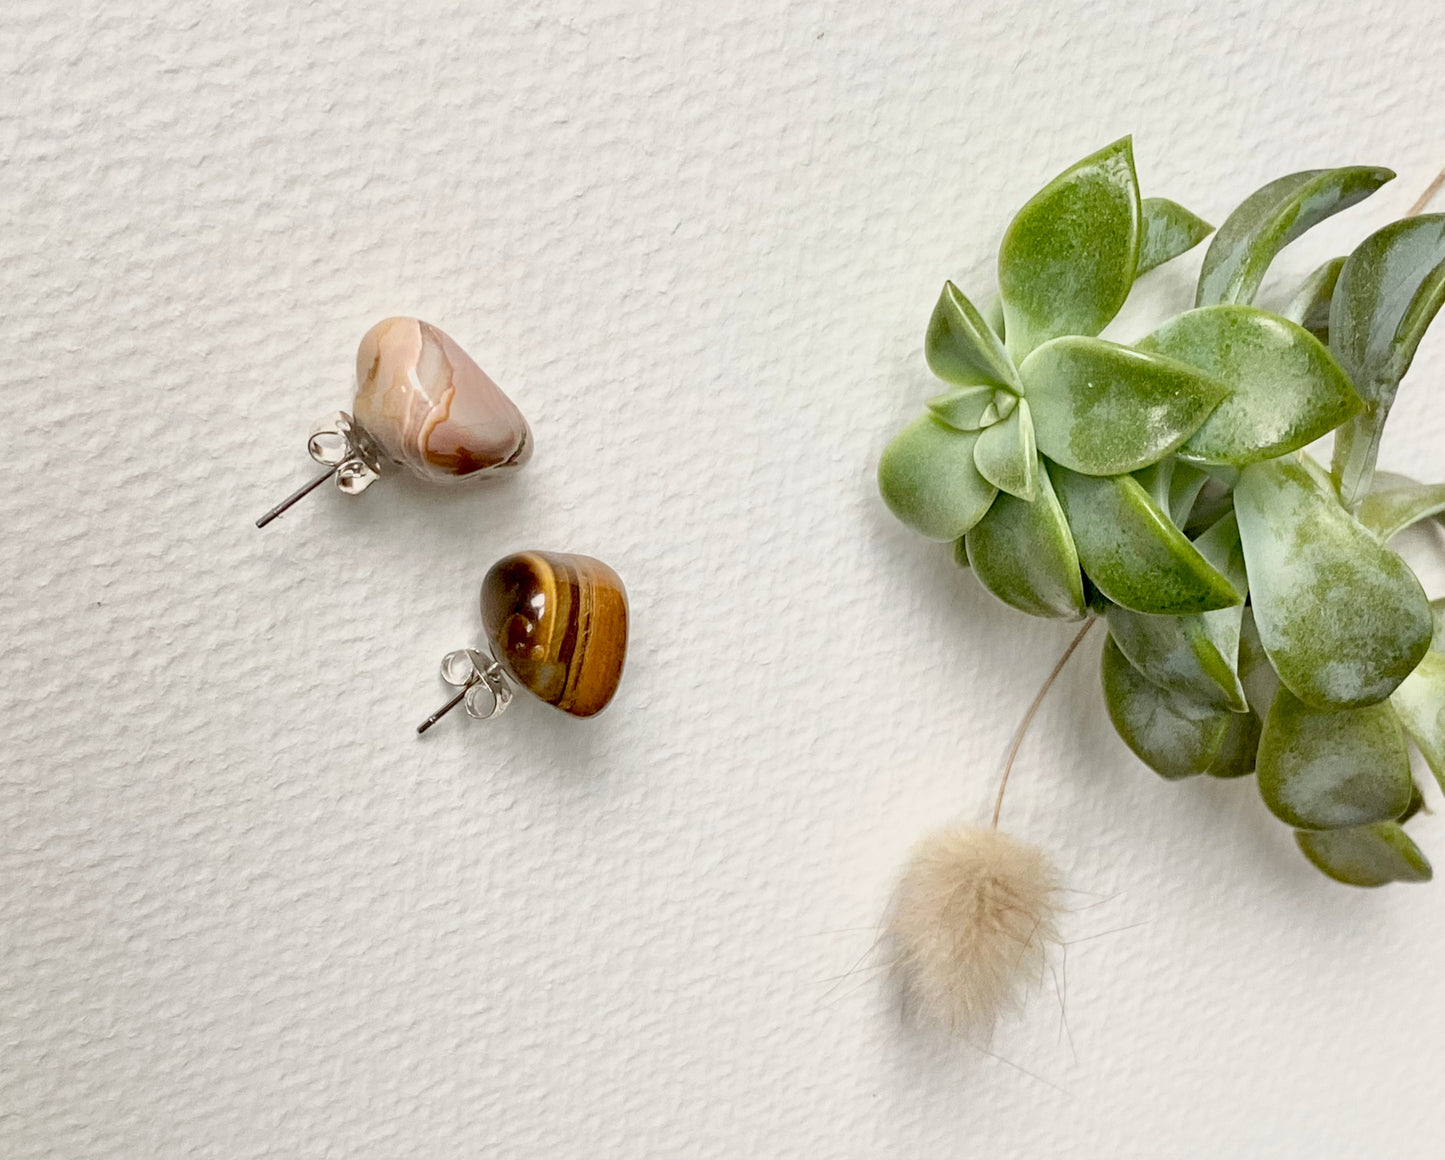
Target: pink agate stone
<point>430,408</point>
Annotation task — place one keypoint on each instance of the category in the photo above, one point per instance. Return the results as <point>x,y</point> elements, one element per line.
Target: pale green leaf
<point>961,348</point>
<point>1168,231</point>
<point>1256,674</point>
<point>1272,217</point>
<point>1284,388</point>
<point>1239,749</point>
<point>1068,259</point>
<point>1005,454</point>
<point>1389,291</point>
<point>1343,618</point>
<point>1024,554</point>
<point>993,315</point>
<point>1366,855</point>
<point>1419,702</point>
<point>1104,409</point>
<point>1395,502</point>
<point>1195,655</point>
<point>1329,769</point>
<point>929,481</point>
<point>1310,306</point>
<point>1132,552</point>
<point>968,408</point>
<point>1173,736</point>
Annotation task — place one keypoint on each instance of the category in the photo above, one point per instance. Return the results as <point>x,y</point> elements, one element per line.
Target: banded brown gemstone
<point>431,408</point>
<point>558,624</point>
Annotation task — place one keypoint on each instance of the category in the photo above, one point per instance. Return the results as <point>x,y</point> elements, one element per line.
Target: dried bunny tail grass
<point>969,926</point>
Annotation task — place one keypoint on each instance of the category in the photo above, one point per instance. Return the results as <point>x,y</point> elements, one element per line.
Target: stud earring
<point>555,624</point>
<point>422,403</point>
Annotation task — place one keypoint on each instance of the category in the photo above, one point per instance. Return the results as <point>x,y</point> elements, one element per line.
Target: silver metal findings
<point>485,690</point>
<point>348,453</point>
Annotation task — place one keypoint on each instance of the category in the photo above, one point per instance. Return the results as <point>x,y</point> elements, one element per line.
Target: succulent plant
<point>1259,621</point>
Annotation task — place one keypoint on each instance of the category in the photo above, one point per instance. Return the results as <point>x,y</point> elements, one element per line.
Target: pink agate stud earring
<point>421,402</point>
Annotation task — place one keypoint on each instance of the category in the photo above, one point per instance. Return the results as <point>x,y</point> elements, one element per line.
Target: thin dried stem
<point>1018,738</point>
<point>1428,195</point>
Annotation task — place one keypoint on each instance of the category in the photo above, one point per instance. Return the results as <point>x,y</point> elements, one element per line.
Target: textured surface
<point>245,911</point>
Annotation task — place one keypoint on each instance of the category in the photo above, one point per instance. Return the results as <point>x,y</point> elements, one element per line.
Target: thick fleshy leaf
<point>1272,217</point>
<point>1214,501</point>
<point>1419,702</point>
<point>1005,454</point>
<point>969,408</point>
<point>1343,618</point>
<point>1239,750</point>
<point>1310,306</point>
<point>1196,655</point>
<point>1328,769</point>
<point>1068,259</point>
<point>961,348</point>
<point>1104,409</point>
<point>1173,736</point>
<point>1169,230</point>
<point>1389,291</point>
<point>928,479</point>
<point>1023,553</point>
<point>1396,501</point>
<point>1173,486</point>
<point>1184,488</point>
<point>993,315</point>
<point>1256,674</point>
<point>1284,388</point>
<point>1132,552</point>
<point>1367,855</point>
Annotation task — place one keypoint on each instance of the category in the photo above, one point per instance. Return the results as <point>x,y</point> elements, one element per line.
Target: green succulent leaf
<point>1195,655</point>
<point>1310,306</point>
<point>1068,259</point>
<point>969,408</point>
<point>1256,674</point>
<point>960,346</point>
<point>1343,618</point>
<point>1239,750</point>
<point>1366,855</point>
<point>1005,454</point>
<point>1132,552</point>
<point>929,481</point>
<point>1284,388</point>
<point>1184,489</point>
<point>993,315</point>
<point>1419,702</point>
<point>1272,217</point>
<point>1389,291</point>
<point>1172,735</point>
<point>1024,554</point>
<point>1330,769</point>
<point>1396,501</point>
<point>1104,409</point>
<point>1168,231</point>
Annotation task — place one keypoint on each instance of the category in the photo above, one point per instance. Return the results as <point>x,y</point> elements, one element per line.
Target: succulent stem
<point>1018,738</point>
<point>1427,196</point>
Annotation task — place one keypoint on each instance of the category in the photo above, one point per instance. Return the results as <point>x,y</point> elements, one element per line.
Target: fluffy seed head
<point>969,926</point>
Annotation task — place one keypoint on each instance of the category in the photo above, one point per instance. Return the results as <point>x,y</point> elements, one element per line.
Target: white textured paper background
<point>244,911</point>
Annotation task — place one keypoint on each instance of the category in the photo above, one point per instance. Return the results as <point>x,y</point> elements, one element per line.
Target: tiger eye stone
<point>558,625</point>
<point>430,408</point>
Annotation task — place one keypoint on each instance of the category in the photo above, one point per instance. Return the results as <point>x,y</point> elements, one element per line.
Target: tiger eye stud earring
<point>555,624</point>
<point>422,403</point>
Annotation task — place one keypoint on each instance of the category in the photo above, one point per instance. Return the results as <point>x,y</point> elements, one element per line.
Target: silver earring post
<point>347,452</point>
<point>485,690</point>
